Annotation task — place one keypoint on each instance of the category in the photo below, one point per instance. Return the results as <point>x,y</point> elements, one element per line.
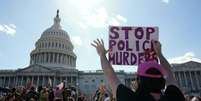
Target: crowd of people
<point>41,94</point>
<point>65,94</point>
<point>53,94</point>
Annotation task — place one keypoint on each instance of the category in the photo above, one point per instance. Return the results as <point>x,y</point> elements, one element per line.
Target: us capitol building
<point>53,61</point>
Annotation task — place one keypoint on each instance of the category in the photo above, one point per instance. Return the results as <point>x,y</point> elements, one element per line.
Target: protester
<point>44,94</point>
<point>152,78</point>
<point>32,95</point>
<point>51,95</point>
<point>107,98</point>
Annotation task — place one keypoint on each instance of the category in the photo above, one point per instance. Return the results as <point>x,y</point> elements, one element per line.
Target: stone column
<point>76,78</point>
<point>1,81</point>
<point>8,81</point>
<point>45,57</point>
<point>49,81</point>
<point>40,58</point>
<point>53,57</point>
<point>68,59</point>
<point>58,58</point>
<point>34,58</point>
<point>64,59</point>
<point>22,80</point>
<point>49,57</point>
<point>61,59</point>
<point>27,79</point>
<point>197,80</point>
<point>43,80</point>
<point>186,83</point>
<point>179,79</point>
<point>191,80</point>
<point>16,81</point>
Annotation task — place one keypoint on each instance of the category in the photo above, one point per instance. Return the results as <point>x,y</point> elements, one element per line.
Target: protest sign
<point>131,45</point>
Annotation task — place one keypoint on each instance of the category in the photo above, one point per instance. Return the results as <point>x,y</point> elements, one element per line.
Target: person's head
<point>150,76</point>
<point>32,88</point>
<point>40,88</point>
<point>13,90</point>
<point>106,95</point>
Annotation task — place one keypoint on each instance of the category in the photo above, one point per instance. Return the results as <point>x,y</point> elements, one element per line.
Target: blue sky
<point>23,21</point>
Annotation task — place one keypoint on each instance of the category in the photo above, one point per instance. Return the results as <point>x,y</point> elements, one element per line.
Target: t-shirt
<point>172,93</point>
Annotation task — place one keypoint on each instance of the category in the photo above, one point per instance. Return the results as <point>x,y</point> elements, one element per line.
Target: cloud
<point>101,18</point>
<point>165,1</point>
<point>77,40</point>
<point>189,56</point>
<point>9,29</point>
<point>121,18</point>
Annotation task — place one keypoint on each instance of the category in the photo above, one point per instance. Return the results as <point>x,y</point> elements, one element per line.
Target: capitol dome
<point>54,48</point>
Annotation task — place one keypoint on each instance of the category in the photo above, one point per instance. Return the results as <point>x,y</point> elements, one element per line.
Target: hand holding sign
<point>131,45</point>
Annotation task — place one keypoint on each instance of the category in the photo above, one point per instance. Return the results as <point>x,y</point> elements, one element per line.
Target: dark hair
<point>147,84</point>
<point>106,95</point>
<point>40,88</point>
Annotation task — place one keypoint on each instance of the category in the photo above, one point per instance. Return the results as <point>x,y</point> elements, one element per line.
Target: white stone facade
<point>54,48</point>
<point>188,76</point>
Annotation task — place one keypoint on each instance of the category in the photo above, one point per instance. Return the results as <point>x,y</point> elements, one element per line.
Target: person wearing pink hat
<point>156,82</point>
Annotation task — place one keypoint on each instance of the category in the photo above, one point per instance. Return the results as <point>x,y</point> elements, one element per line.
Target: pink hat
<point>143,67</point>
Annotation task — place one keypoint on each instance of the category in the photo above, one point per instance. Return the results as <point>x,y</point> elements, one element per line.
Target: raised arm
<point>106,66</point>
<point>170,79</point>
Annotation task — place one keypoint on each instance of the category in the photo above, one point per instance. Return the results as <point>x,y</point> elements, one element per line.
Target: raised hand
<point>99,45</point>
<point>106,66</point>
